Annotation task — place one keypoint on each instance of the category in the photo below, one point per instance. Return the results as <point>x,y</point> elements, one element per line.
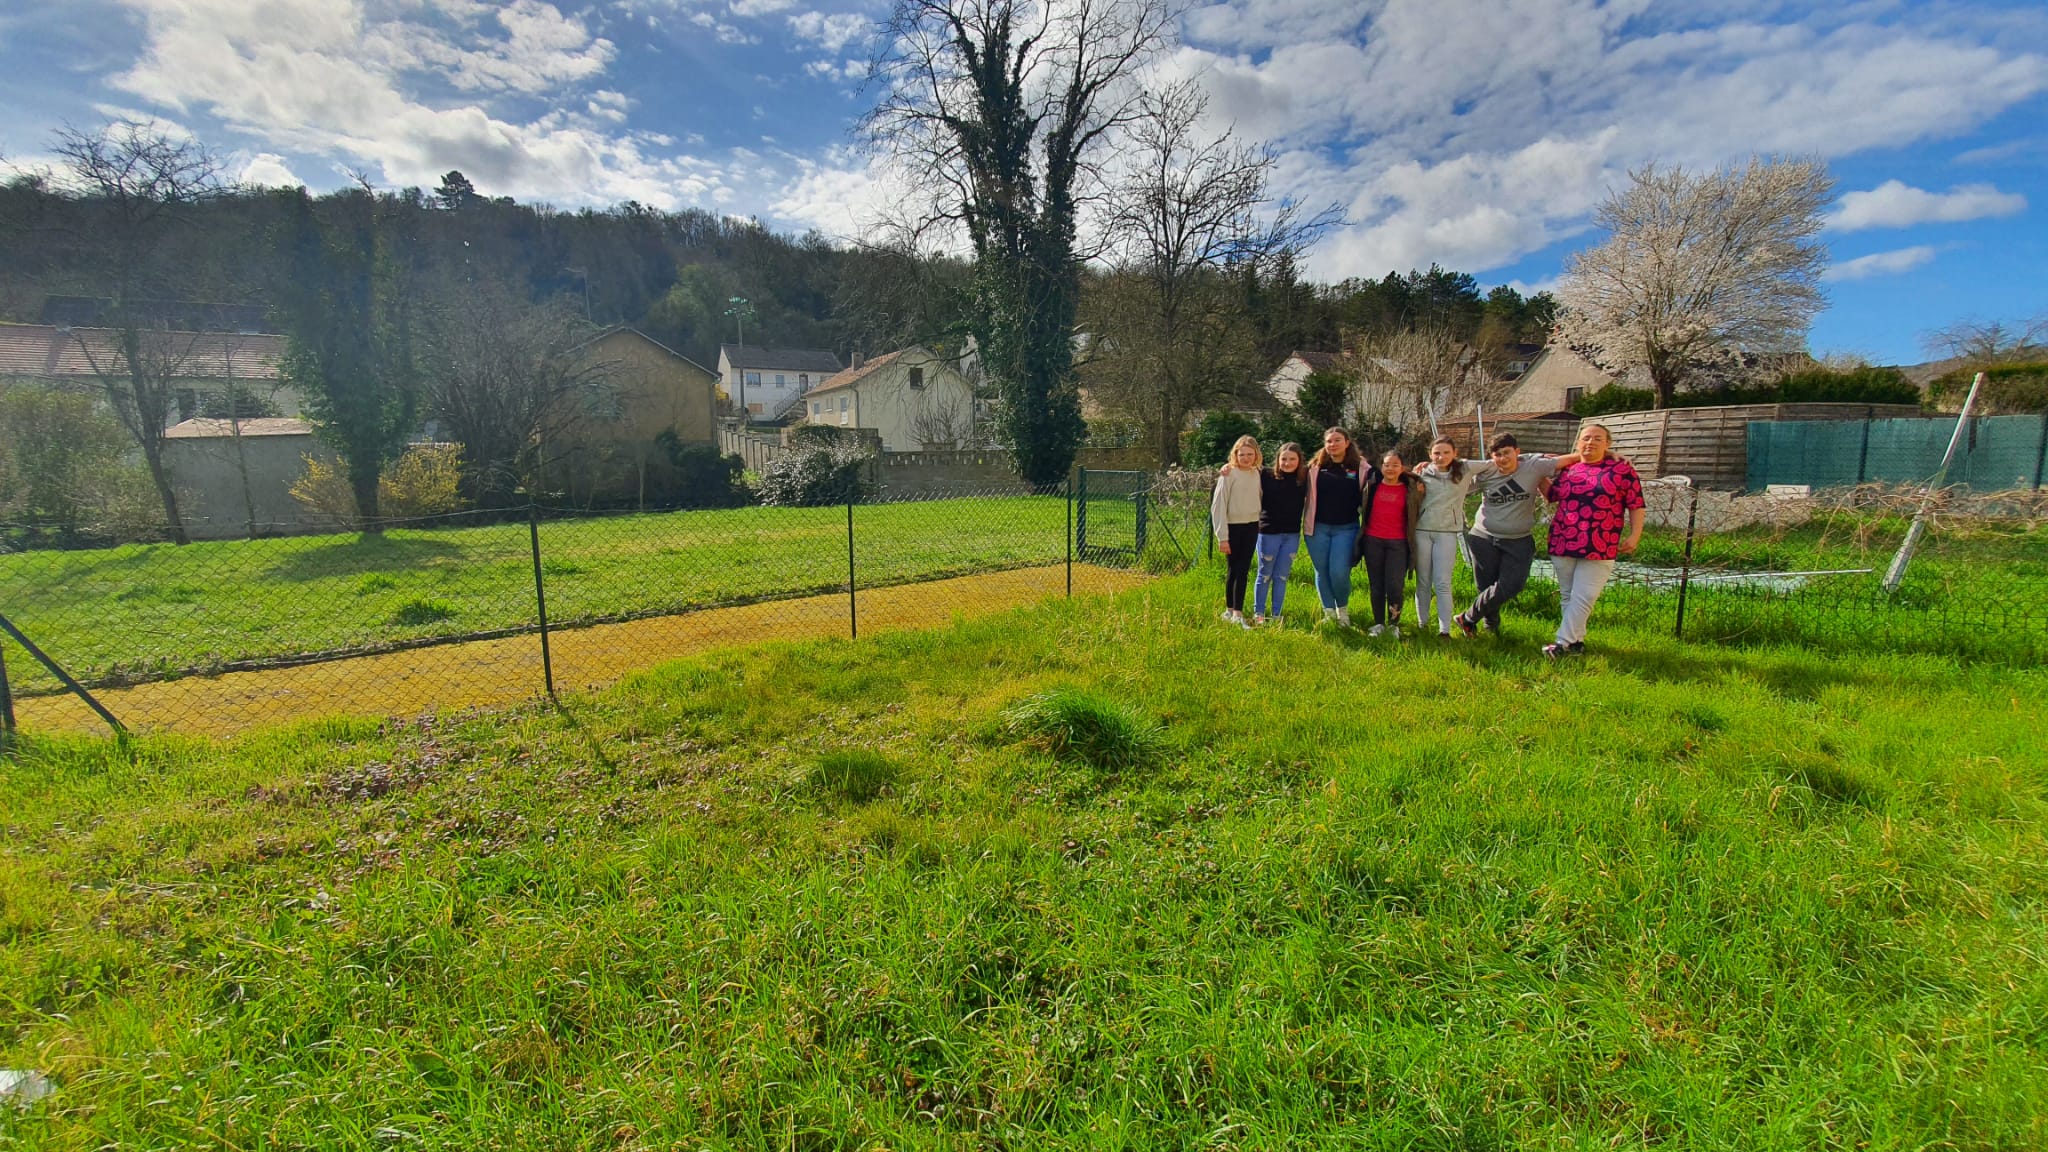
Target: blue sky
<point>1478,134</point>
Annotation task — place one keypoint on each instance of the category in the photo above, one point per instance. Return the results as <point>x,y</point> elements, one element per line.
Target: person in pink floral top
<point>1599,519</point>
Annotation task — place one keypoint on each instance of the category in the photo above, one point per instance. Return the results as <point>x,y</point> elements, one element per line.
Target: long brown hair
<point>1457,458</point>
<point>1351,457</point>
<point>1300,463</point>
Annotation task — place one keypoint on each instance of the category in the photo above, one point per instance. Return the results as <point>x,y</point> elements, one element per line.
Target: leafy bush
<point>422,482</point>
<point>816,475</point>
<point>1068,723</point>
<point>1287,423</point>
<point>704,477</point>
<point>1323,398</point>
<point>1862,385</point>
<point>854,775</point>
<point>65,472</point>
<point>1209,444</point>
<point>2008,388</point>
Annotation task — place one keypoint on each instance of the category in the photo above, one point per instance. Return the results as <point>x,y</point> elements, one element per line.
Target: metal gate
<point>1110,517</point>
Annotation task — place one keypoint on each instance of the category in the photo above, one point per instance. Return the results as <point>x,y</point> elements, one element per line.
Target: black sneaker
<point>1578,647</point>
<point>1466,625</point>
<point>1556,651</point>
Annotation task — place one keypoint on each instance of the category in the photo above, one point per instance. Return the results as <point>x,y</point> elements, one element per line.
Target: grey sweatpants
<point>1500,566</point>
<point>1436,561</point>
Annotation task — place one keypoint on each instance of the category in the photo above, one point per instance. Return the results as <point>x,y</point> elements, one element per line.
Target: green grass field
<point>1101,874</point>
<point>146,610</point>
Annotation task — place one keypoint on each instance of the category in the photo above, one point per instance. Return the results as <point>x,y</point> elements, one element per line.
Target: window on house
<point>779,382</point>
<point>803,381</point>
<point>188,403</point>
<point>917,377</point>
<point>817,407</point>
<point>753,377</point>
<point>1572,396</point>
<point>845,402</point>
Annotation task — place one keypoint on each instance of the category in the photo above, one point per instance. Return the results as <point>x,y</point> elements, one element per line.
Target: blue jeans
<point>1329,549</point>
<point>1276,559</point>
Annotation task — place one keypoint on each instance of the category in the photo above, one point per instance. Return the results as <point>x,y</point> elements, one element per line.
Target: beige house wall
<point>939,415</point>
<point>1542,388</point>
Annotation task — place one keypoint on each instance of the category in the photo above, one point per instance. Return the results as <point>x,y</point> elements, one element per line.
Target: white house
<point>912,397</point>
<point>768,382</point>
<point>1286,381</point>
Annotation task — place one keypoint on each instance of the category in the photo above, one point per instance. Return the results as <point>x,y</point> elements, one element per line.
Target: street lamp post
<point>739,309</point>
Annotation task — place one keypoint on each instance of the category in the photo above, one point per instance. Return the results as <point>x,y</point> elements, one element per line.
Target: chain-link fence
<point>490,608</point>
<point>1824,569</point>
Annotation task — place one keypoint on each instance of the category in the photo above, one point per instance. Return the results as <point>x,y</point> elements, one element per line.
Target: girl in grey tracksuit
<point>1446,481</point>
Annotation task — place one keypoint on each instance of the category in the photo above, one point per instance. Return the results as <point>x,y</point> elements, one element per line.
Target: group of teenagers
<point>1396,519</point>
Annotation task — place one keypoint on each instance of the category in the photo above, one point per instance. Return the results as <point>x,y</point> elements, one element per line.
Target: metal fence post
<point>540,598</point>
<point>2041,450</point>
<point>1070,538</point>
<point>1692,519</point>
<point>57,670</point>
<point>6,697</point>
<point>1863,457</point>
<point>852,603</point>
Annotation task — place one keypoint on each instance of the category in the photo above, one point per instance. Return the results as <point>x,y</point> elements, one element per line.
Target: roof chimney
<point>858,360</point>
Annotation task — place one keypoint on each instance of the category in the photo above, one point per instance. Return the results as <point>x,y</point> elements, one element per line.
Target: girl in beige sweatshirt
<point>1234,517</point>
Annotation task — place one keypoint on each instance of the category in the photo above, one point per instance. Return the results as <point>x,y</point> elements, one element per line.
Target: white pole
<point>1896,574</point>
<point>1481,410</point>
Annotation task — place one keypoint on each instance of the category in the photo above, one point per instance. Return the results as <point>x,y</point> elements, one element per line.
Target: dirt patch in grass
<point>507,671</point>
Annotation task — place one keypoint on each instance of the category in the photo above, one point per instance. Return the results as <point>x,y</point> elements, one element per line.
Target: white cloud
<point>761,7</point>
<point>323,78</point>
<point>1895,204</point>
<point>830,31</point>
<point>268,170</point>
<point>1476,132</point>
<point>1882,263</point>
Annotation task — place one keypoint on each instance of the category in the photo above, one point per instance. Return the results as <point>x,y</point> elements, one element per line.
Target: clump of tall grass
<point>421,610</point>
<point>1073,724</point>
<point>854,775</point>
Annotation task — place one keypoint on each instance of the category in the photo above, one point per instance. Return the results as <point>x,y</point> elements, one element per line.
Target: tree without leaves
<point>1980,343</point>
<point>348,311</point>
<point>1700,269</point>
<point>1000,106</point>
<point>140,183</point>
<point>1189,214</point>
<point>510,379</point>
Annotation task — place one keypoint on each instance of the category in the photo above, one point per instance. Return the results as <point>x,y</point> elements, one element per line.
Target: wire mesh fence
<point>494,607</point>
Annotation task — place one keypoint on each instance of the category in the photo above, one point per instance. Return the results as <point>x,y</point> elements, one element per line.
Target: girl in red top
<point>1393,504</point>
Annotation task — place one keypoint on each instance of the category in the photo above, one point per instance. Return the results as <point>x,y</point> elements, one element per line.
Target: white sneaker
<point>1394,630</point>
<point>1376,630</point>
<point>1227,616</point>
<point>1258,620</point>
<point>1344,617</point>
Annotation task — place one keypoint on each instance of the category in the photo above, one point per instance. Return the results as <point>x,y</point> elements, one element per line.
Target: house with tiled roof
<point>203,368</point>
<point>914,399</point>
<point>766,383</point>
<point>1286,381</point>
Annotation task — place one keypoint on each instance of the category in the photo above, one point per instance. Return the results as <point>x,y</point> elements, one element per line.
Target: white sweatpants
<point>1436,560</point>
<point>1578,585</point>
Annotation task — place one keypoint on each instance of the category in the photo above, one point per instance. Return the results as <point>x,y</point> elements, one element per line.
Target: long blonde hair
<point>1258,454</point>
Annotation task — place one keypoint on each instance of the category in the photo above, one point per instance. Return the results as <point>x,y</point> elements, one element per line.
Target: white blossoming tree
<point>1699,269</point>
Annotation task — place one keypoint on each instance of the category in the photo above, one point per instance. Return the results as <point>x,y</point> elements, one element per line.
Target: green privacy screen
<point>1997,452</point>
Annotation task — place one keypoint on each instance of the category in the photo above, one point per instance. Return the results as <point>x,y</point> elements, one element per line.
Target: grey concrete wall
<point>208,473</point>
